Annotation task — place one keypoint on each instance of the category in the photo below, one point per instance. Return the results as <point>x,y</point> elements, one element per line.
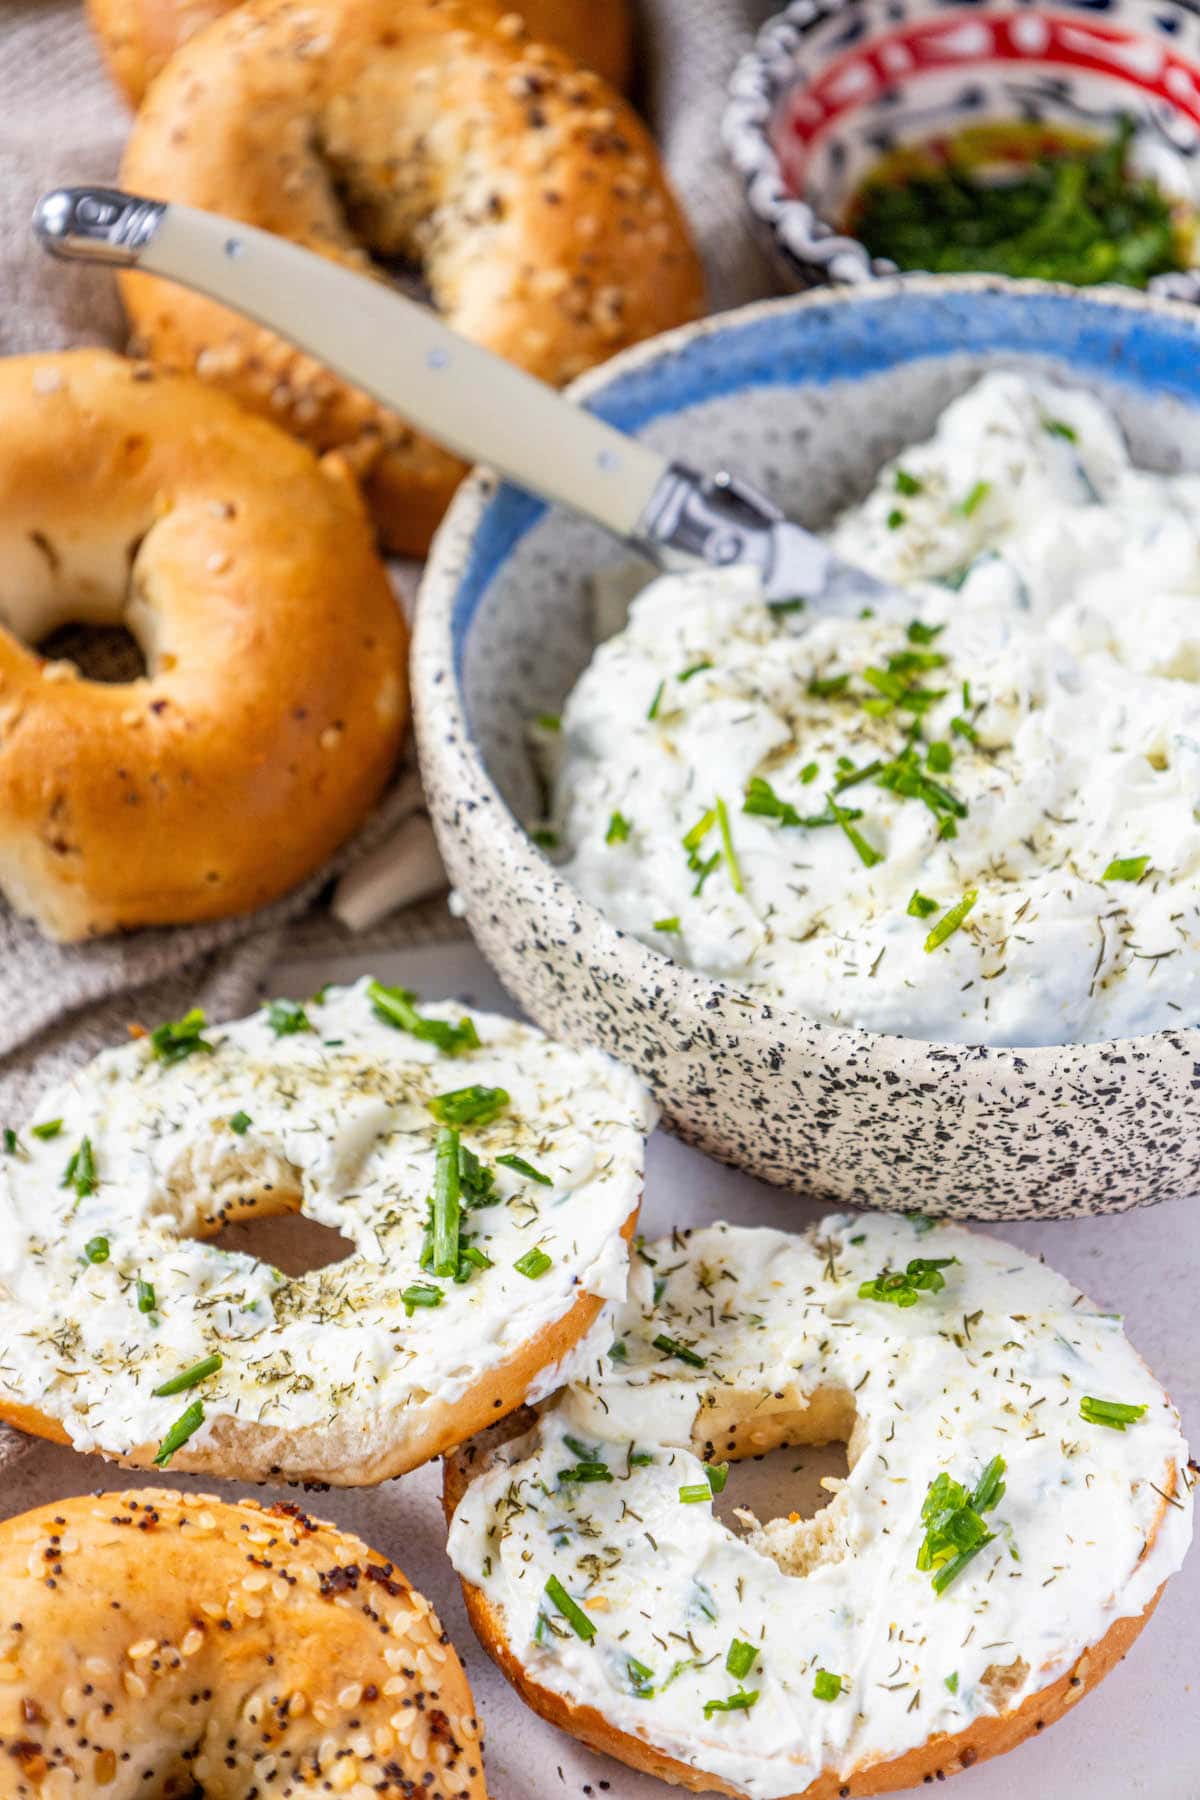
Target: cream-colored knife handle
<point>398,352</point>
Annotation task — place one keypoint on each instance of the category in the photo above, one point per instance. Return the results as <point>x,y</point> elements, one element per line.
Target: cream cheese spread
<point>108,1291</point>
<point>857,1655</point>
<point>975,821</point>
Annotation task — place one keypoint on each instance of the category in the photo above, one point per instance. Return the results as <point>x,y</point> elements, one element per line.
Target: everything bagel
<point>275,696</point>
<point>139,36</point>
<point>1017,1495</point>
<point>486,1181</point>
<point>170,1644</point>
<point>525,190</point>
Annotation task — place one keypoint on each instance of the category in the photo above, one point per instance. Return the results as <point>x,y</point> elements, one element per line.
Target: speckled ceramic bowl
<point>807,397</point>
<point>831,86</point>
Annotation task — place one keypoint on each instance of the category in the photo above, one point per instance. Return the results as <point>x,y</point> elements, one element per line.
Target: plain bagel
<point>1017,1495</point>
<point>275,695</point>
<point>527,192</point>
<point>139,36</point>
<point>162,1643</point>
<point>370,1116</point>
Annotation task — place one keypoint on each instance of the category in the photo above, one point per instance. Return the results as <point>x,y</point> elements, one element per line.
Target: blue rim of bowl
<point>488,517</point>
<point>761,78</point>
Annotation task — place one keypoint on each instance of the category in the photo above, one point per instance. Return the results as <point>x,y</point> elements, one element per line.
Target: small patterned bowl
<point>806,396</point>
<point>831,86</point>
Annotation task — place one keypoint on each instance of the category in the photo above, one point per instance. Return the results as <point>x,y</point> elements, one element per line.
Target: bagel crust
<point>162,1643</point>
<point>139,36</point>
<point>867,1648</point>
<point>275,697</point>
<point>125,1331</point>
<point>526,191</point>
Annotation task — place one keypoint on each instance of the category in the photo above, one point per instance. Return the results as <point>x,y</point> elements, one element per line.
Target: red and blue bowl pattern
<point>832,86</point>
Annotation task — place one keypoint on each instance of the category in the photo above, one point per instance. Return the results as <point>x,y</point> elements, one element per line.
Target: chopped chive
<point>827,687</point>
<point>547,839</point>
<point>920,906</point>
<point>908,484</point>
<point>80,1172</point>
<point>694,1492</point>
<point>904,1287</point>
<point>420,1295</point>
<point>619,829</point>
<point>867,853</point>
<point>963,728</point>
<point>189,1378</point>
<point>241,1123</point>
<point>1116,1414</point>
<point>700,830</point>
<point>1060,429</point>
<point>975,498</point>
<point>672,1347</point>
<point>808,773</point>
<point>705,869</point>
<point>10,1140</point>
<point>640,1678</point>
<point>670,925</point>
<point>918,632</point>
<point>511,1160</point>
<point>395,1007</point>
<point>1126,868</point>
<point>827,1686</point>
<point>591,1470</point>
<point>447,1202</point>
<point>955,1530</point>
<point>571,1611</point>
<point>654,704</point>
<point>783,607</point>
<point>735,872</point>
<point>287,1017</point>
<point>179,1038</point>
<point>950,921</point>
<point>696,668</point>
<point>940,757</point>
<point>740,1658</point>
<point>146,1301</point>
<point>739,1702</point>
<point>474,1105</point>
<point>49,1128</point>
<point>896,518</point>
<point>96,1250</point>
<point>718,1475</point>
<point>952,1681</point>
<point>534,1264</point>
<point>186,1426</point>
<point>550,721</point>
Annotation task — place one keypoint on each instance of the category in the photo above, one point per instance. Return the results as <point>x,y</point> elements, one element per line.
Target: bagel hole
<point>783,1484</point>
<point>782,1449</point>
<point>287,1241</point>
<point>107,653</point>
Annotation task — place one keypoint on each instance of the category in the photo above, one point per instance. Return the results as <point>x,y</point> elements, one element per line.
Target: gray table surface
<point>1139,1735</point>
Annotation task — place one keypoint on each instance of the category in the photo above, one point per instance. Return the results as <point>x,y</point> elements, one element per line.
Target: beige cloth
<point>61,121</point>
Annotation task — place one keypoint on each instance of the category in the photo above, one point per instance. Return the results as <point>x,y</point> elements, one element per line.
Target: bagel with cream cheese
<point>525,190</point>
<point>1017,1495</point>
<point>160,1643</point>
<point>486,1181</point>
<point>275,694</point>
<point>139,36</point>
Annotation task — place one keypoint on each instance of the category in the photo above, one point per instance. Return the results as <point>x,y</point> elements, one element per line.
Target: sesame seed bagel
<point>478,1252</point>
<point>138,36</point>
<point>526,191</point>
<point>1017,1495</point>
<point>275,695</point>
<point>170,1644</point>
